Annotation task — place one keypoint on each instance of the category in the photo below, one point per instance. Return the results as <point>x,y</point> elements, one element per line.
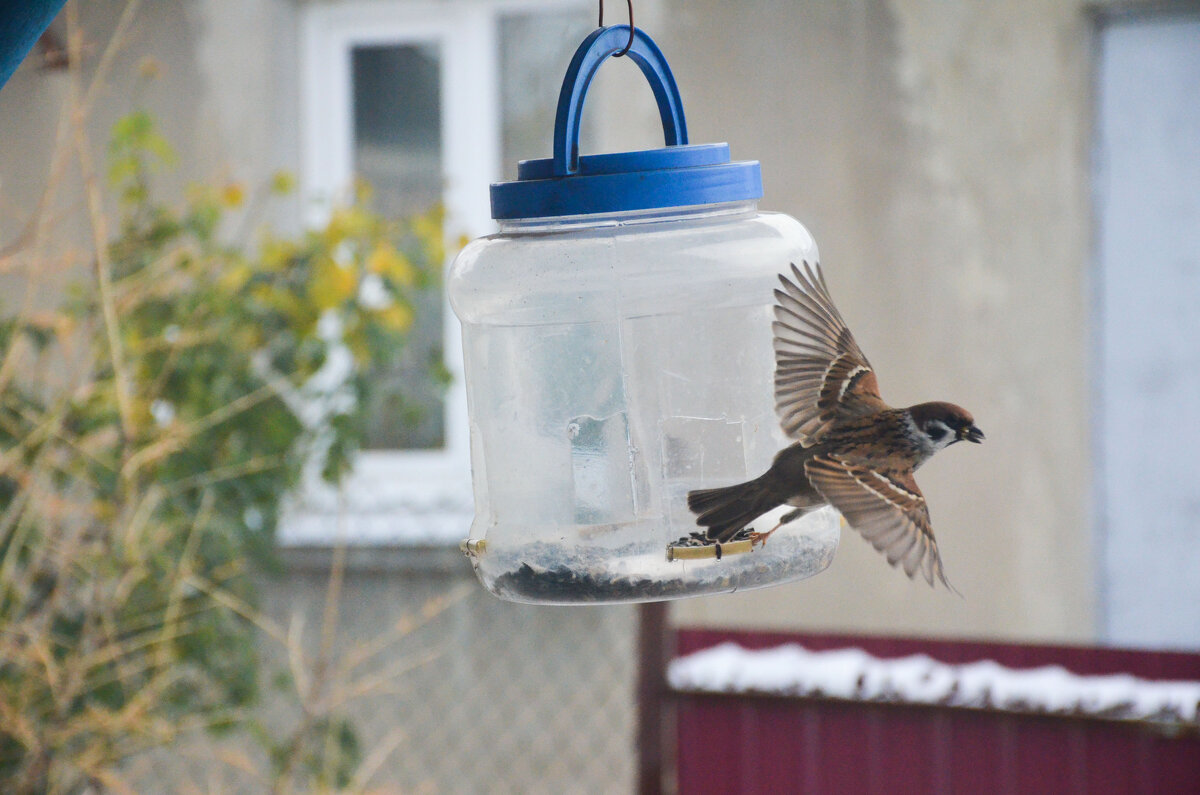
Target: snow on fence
<point>855,675</point>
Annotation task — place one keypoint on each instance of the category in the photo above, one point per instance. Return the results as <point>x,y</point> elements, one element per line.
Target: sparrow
<point>852,450</point>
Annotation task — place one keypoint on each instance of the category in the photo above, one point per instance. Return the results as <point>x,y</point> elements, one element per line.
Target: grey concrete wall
<point>226,96</point>
<point>939,154</point>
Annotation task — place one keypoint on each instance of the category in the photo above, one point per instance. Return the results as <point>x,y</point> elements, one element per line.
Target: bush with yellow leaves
<point>150,428</point>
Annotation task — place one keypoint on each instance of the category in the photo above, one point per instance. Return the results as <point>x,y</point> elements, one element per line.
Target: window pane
<point>398,125</point>
<point>397,149</point>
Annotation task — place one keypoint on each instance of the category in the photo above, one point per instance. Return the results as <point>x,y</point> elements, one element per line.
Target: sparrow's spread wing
<point>821,375</point>
<point>888,509</point>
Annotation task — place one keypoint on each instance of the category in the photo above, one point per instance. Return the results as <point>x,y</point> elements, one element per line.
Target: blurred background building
<point>1006,196</point>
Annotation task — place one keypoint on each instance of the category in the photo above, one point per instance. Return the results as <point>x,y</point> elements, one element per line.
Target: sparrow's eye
<point>936,431</point>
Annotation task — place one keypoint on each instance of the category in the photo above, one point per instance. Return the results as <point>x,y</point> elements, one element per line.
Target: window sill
<point>367,559</point>
<point>411,501</point>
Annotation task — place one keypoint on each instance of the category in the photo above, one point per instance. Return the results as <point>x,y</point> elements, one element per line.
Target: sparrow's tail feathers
<point>728,509</point>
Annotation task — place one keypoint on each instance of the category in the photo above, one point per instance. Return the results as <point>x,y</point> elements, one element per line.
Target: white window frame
<point>403,497</point>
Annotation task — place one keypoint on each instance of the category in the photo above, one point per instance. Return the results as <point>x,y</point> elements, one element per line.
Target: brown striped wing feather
<point>887,509</point>
<point>821,375</point>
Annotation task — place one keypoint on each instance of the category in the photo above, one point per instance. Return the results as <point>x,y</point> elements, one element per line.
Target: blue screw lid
<point>677,175</point>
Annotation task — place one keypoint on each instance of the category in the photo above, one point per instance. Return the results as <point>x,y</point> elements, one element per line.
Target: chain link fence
<point>465,693</point>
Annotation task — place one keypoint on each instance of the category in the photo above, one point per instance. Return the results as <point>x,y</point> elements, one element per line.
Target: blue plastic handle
<point>594,50</point>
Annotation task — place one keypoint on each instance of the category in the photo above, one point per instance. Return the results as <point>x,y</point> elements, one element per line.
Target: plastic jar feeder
<point>618,354</point>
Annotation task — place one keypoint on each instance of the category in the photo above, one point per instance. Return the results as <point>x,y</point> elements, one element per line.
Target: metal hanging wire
<point>629,3</point>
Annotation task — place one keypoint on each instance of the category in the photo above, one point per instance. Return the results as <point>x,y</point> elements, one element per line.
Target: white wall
<point>1147,391</point>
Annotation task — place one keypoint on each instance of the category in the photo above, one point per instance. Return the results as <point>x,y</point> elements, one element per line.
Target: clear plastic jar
<point>614,363</point>
<point>618,353</point>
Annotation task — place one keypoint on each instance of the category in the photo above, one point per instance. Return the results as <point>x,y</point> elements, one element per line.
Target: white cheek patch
<point>948,438</point>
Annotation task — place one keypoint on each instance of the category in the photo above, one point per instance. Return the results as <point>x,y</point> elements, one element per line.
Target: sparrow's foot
<point>760,539</point>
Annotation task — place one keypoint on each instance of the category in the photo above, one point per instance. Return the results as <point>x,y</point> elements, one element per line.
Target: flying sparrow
<point>852,450</point>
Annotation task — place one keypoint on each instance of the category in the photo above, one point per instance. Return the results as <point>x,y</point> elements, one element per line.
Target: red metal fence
<point>754,743</point>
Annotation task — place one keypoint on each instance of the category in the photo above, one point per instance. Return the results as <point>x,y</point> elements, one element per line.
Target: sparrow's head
<point>943,424</point>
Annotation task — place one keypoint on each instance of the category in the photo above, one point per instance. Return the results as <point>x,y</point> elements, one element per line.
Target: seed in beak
<point>971,434</point>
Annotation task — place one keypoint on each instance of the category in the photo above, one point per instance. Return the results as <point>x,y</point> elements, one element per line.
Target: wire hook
<point>601,24</point>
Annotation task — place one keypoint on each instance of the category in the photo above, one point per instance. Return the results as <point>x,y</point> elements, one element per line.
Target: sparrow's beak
<point>971,434</point>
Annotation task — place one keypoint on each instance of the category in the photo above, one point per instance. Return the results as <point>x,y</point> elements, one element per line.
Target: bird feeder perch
<point>618,353</point>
